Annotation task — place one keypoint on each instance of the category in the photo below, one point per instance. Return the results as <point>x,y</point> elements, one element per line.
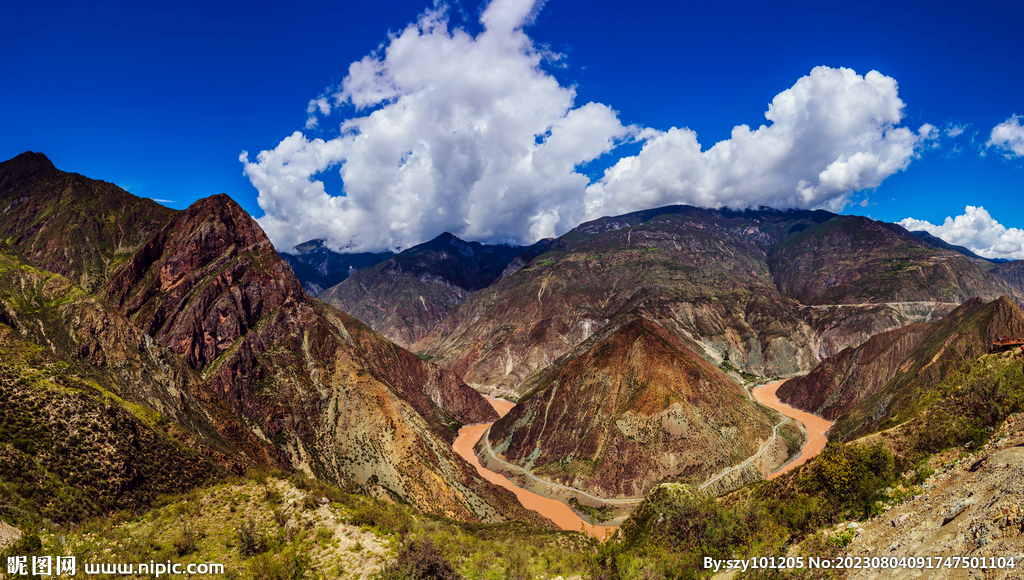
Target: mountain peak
<point>32,159</point>
<point>22,168</point>
<point>185,286</point>
<point>308,246</point>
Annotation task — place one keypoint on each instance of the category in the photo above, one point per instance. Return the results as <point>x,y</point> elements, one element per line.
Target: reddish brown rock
<point>843,381</point>
<point>334,398</point>
<point>203,281</point>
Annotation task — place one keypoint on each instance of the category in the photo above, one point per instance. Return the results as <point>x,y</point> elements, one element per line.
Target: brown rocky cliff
<point>334,398</point>
<point>203,281</point>
<point>211,275</point>
<point>842,381</point>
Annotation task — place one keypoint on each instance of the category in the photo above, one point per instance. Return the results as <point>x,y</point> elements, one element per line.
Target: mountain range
<point>405,296</point>
<point>167,349</point>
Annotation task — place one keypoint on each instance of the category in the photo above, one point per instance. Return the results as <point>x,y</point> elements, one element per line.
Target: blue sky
<point>162,100</point>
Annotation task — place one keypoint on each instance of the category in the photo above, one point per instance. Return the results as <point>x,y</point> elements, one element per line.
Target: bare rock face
<point>1013,273</point>
<point>335,399</point>
<point>203,281</point>
<point>633,407</point>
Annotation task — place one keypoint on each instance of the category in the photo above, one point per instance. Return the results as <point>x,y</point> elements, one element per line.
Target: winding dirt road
<point>566,519</point>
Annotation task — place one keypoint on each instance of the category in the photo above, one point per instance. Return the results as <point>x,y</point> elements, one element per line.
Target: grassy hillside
<point>273,528</point>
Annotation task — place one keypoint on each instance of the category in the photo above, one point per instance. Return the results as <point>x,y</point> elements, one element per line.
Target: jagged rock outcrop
<point>101,345</point>
<point>631,407</point>
<point>203,281</point>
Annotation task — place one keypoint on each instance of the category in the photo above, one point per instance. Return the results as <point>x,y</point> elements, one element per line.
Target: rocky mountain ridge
<point>405,296</point>
<point>319,268</point>
<point>749,286</point>
<point>70,224</point>
<point>271,377</point>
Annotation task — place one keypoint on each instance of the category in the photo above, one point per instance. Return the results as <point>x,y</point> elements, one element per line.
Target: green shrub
<point>188,541</point>
<point>385,518</point>
<point>250,540</point>
<point>288,566</point>
<point>420,560</point>
<point>853,476</point>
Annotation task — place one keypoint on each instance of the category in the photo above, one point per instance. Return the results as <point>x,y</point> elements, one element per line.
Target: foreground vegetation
<point>676,527</point>
<point>277,528</point>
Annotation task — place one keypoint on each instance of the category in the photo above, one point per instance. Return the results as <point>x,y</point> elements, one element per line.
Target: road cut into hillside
<point>817,427</point>
<point>552,509</point>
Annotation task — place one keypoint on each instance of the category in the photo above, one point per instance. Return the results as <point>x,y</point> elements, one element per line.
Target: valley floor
<point>552,509</point>
<point>552,505</point>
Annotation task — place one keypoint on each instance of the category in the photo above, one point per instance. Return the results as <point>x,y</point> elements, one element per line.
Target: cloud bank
<point>1008,137</point>
<point>977,231</point>
<point>447,131</point>
<point>831,134</point>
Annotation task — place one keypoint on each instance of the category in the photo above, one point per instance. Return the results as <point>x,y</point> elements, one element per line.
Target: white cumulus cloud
<point>977,231</point>
<point>469,134</point>
<point>465,134</point>
<point>832,133</point>
<point>1008,137</point>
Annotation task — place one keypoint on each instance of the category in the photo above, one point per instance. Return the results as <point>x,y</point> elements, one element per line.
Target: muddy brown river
<point>816,426</point>
<point>566,519</point>
<point>554,510</point>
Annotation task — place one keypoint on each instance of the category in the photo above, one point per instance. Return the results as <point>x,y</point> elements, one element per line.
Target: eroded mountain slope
<point>632,407</point>
<point>338,400</point>
<point>70,224</point>
<point>730,282</point>
<point>888,378</point>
